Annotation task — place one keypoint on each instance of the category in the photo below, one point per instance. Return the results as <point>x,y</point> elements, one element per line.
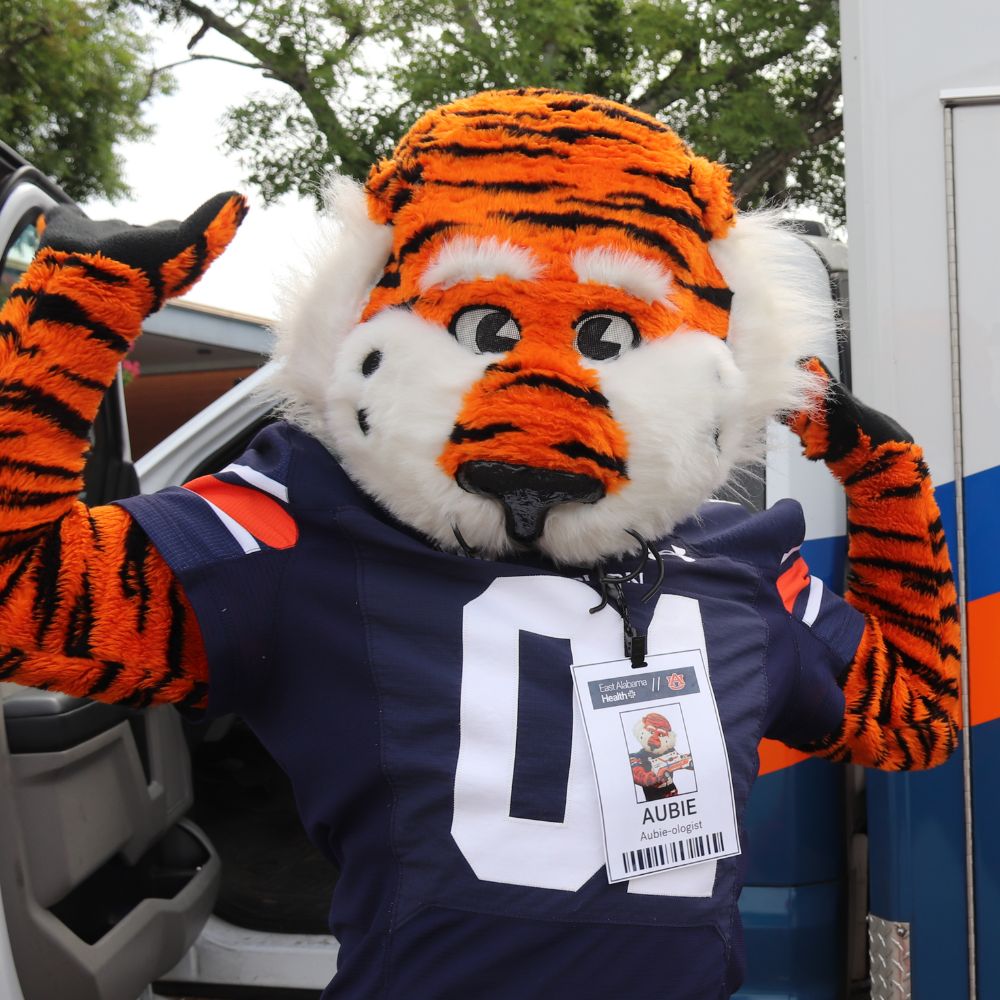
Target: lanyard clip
<point>635,647</point>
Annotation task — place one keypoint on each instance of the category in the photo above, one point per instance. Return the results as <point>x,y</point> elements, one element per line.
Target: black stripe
<point>522,187</point>
<point>22,293</point>
<point>949,613</point>
<point>931,676</point>
<point>869,669</point>
<point>685,184</point>
<point>938,576</point>
<point>81,623</point>
<point>461,433</point>
<point>175,638</point>
<point>87,383</point>
<point>15,577</point>
<point>14,546</point>
<point>504,366</point>
<point>460,149</point>
<point>866,529</point>
<point>35,498</point>
<point>54,307</point>
<point>422,235</point>
<point>20,396</point>
<point>174,650</point>
<point>721,298</point>
<point>591,396</point>
<point>949,652</point>
<point>500,113</point>
<point>132,573</point>
<point>609,111</point>
<point>576,220</point>
<point>888,682</point>
<point>199,689</point>
<point>577,449</point>
<point>898,610</point>
<point>647,206</point>
<point>56,471</point>
<point>46,581</point>
<point>907,755</point>
<point>11,661</point>
<point>108,676</point>
<point>12,335</point>
<point>562,133</point>
<point>913,490</point>
<point>873,467</point>
<point>200,247</point>
<point>390,279</point>
<point>401,197</point>
<point>96,273</point>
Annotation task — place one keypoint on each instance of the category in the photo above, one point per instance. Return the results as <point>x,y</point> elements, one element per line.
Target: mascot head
<point>542,324</point>
<point>655,734</point>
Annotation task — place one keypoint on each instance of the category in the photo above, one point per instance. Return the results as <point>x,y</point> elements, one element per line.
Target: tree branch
<point>199,57</point>
<point>15,45</point>
<point>771,163</point>
<point>288,67</point>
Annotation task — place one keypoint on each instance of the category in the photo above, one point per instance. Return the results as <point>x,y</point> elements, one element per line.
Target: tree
<point>72,83</point>
<point>756,85</point>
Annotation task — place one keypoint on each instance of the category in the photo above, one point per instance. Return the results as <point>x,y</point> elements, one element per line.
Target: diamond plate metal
<point>889,950</point>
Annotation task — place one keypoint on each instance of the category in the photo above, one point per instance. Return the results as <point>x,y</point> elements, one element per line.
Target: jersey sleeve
<point>824,635</point>
<point>229,538</point>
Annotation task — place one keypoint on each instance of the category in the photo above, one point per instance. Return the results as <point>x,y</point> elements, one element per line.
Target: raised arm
<point>902,687</point>
<point>87,605</point>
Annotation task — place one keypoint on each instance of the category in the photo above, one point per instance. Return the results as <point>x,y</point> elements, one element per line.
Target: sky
<point>182,164</point>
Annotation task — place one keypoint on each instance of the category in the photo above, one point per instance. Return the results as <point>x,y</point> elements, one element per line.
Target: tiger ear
<point>320,306</point>
<point>710,185</point>
<point>388,188</point>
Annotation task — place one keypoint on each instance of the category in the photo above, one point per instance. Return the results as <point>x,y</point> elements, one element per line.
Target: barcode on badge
<point>646,859</point>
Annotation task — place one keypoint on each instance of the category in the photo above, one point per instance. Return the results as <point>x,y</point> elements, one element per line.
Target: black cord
<point>613,594</point>
<point>469,551</point>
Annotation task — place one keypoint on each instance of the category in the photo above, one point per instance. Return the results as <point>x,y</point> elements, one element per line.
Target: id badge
<point>660,759</point>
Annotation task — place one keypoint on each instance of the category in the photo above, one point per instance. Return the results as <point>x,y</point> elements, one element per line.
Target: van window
<point>18,254</point>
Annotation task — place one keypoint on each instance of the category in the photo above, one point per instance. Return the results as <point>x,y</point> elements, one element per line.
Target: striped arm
<point>87,606</point>
<point>902,687</point>
<point>90,608</point>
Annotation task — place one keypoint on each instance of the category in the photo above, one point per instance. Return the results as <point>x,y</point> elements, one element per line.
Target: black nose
<point>527,493</point>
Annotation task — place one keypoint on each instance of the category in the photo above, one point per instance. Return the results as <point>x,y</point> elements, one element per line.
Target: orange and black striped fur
<point>87,606</point>
<point>902,688</point>
<point>543,284</point>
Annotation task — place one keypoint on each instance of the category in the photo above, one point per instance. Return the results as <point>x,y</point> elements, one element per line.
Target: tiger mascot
<point>537,344</point>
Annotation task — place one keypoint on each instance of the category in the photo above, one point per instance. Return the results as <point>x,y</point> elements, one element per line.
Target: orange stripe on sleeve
<point>792,582</point>
<point>262,516</point>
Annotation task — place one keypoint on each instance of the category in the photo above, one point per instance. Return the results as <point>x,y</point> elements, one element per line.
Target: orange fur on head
<point>600,174</point>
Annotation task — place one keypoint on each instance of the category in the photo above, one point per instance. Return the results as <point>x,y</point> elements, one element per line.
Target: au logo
<point>676,682</point>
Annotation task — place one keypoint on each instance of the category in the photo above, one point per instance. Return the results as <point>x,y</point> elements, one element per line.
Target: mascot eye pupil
<point>603,336</point>
<point>485,329</point>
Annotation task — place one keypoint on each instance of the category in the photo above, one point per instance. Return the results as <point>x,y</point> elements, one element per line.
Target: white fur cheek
<point>668,396</point>
<point>410,402</point>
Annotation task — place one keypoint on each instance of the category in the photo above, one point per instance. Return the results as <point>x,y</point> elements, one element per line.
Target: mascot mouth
<point>527,493</point>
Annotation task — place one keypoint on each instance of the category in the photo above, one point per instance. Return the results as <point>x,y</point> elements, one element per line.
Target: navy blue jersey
<point>422,704</point>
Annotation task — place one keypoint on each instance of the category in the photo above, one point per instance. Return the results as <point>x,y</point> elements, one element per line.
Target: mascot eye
<point>485,329</point>
<point>604,335</point>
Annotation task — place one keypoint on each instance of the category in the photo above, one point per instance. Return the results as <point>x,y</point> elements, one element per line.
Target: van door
<point>103,884</point>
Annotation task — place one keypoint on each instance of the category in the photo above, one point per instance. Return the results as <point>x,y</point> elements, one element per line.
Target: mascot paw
<point>171,255</point>
<point>838,422</point>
